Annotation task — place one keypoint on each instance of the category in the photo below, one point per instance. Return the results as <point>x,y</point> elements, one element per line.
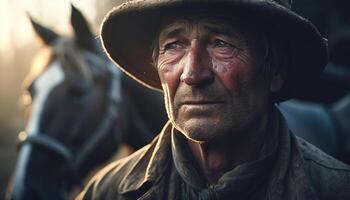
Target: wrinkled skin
<point>211,79</point>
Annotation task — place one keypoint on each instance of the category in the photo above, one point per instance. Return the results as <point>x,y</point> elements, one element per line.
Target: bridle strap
<point>49,143</point>
<point>74,162</point>
<point>55,146</point>
<point>113,103</point>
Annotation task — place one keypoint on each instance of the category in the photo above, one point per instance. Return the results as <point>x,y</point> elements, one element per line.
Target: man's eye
<point>224,49</point>
<point>222,44</point>
<point>173,45</point>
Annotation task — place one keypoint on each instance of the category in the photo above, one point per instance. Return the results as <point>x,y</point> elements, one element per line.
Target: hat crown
<point>122,40</point>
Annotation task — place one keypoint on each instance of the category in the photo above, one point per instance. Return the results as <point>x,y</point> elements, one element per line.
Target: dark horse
<point>80,109</point>
<point>327,126</point>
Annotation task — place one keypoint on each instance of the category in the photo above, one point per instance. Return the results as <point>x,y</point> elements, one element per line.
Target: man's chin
<point>199,129</point>
<point>198,134</point>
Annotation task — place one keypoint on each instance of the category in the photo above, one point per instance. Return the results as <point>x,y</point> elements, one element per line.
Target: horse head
<point>72,95</point>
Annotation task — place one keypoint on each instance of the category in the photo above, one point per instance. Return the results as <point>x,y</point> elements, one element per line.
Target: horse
<point>325,126</point>
<point>79,109</point>
<point>312,122</point>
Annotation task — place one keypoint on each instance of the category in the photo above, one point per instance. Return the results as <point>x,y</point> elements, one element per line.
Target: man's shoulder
<point>330,178</point>
<point>106,184</point>
<point>316,156</point>
<point>134,174</point>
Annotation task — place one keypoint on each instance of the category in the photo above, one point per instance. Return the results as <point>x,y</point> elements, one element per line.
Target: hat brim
<point>128,32</point>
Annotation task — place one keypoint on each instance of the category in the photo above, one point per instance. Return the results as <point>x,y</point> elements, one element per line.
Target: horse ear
<point>46,35</point>
<point>83,35</point>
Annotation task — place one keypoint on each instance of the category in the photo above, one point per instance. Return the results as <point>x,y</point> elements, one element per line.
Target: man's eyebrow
<point>216,27</point>
<point>221,29</point>
<point>170,32</point>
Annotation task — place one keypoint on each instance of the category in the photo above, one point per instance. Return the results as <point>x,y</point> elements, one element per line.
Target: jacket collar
<point>287,170</point>
<point>241,179</point>
<point>277,173</point>
<point>151,165</point>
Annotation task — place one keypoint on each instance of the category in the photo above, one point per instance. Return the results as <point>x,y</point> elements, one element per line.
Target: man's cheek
<point>168,102</point>
<point>228,79</point>
<point>170,77</point>
<point>169,84</point>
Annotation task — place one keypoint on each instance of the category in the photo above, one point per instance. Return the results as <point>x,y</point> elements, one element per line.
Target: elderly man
<point>222,66</point>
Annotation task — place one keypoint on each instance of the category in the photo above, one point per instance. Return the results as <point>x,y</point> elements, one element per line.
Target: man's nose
<point>197,66</point>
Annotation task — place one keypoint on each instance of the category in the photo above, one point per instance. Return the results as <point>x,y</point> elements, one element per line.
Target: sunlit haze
<point>15,27</point>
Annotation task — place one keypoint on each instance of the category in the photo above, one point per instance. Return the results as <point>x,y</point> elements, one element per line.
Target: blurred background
<point>18,45</point>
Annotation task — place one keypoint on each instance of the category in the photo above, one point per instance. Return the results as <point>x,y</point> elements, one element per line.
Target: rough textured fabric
<point>288,168</point>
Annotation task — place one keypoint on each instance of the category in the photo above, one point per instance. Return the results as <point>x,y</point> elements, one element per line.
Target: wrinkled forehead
<point>237,24</point>
<point>208,24</point>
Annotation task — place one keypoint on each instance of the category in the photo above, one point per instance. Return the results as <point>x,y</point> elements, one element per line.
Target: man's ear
<point>277,79</point>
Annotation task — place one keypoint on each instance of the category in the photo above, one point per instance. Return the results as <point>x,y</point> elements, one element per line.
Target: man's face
<point>210,77</point>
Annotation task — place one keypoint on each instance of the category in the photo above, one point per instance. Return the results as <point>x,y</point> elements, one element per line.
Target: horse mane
<point>67,52</point>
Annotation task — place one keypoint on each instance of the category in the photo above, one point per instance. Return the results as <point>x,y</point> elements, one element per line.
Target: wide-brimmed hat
<point>129,30</point>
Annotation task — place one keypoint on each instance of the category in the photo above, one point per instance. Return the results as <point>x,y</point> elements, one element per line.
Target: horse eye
<point>79,90</point>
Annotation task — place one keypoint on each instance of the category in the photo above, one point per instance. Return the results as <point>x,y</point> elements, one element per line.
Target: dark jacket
<point>288,168</point>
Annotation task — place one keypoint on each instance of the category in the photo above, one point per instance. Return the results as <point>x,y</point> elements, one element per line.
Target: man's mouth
<point>201,103</point>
